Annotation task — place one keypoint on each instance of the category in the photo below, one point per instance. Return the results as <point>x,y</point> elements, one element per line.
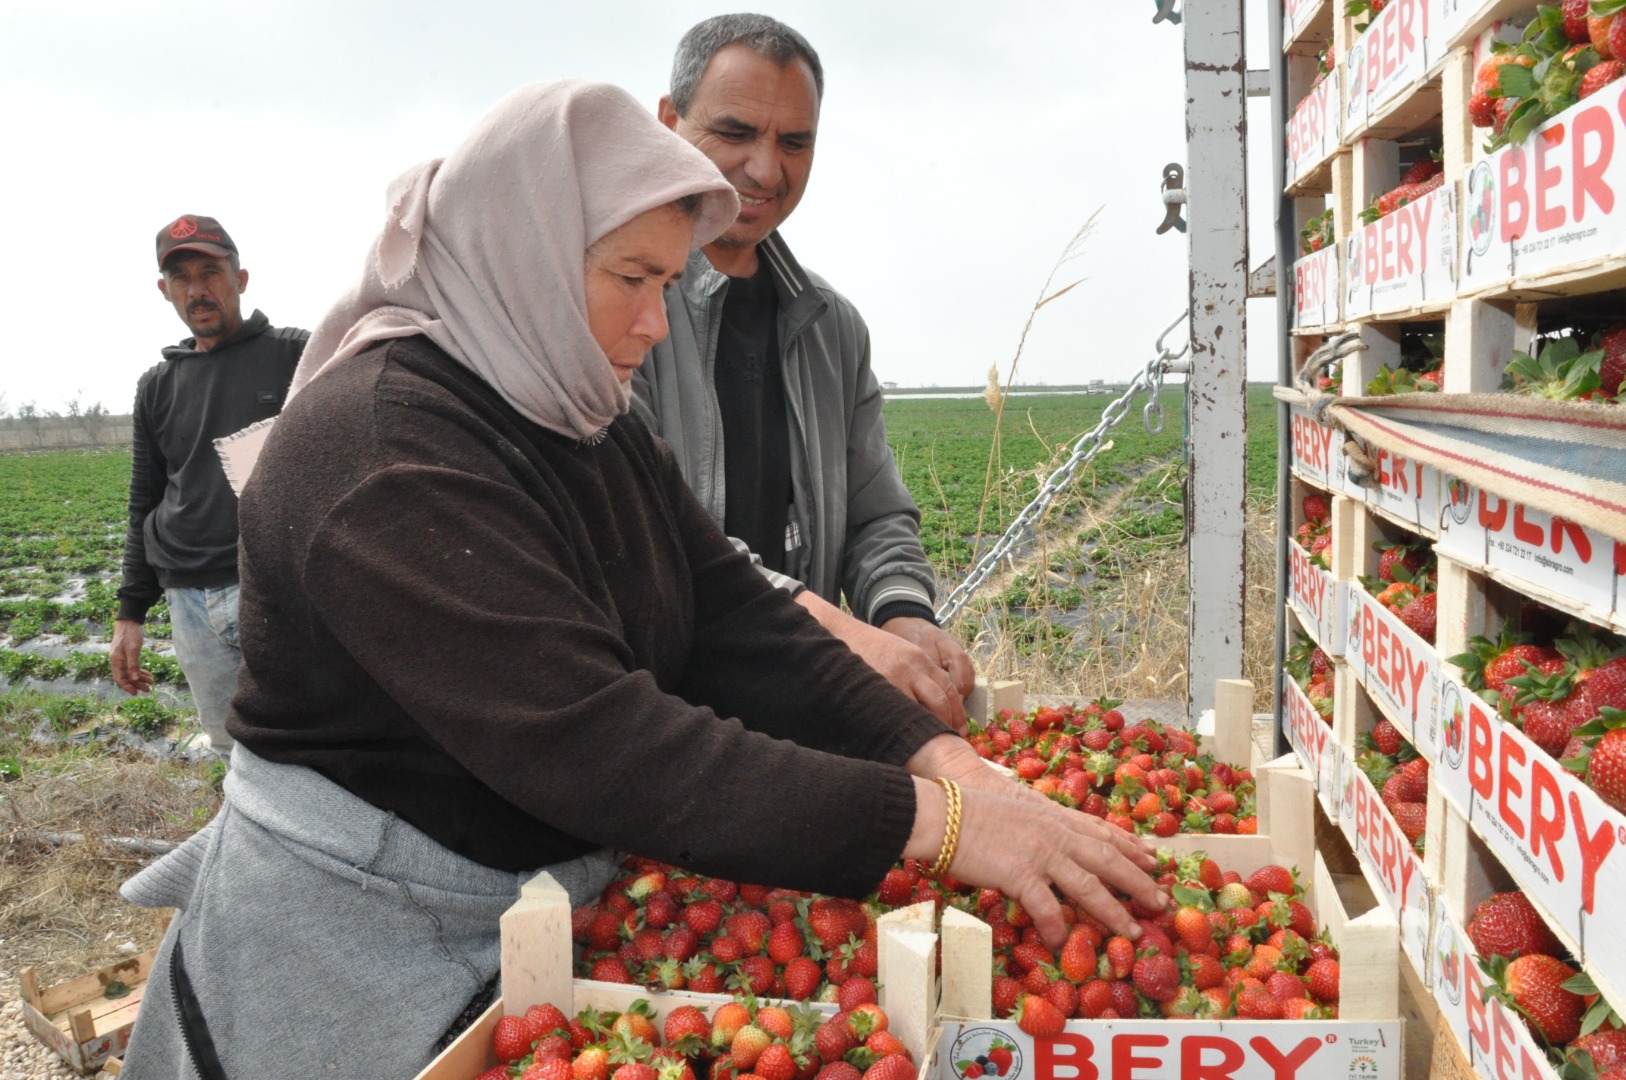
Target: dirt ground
<point>60,911</point>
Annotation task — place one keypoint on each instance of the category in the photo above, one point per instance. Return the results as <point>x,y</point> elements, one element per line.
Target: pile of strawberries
<point>1311,668</point>
<point>1317,232</point>
<point>1405,585</point>
<point>1314,533</point>
<point>1560,1006</point>
<point>1566,370</point>
<point>1421,370</point>
<point>1568,697</point>
<point>1400,776</point>
<point>741,1038</point>
<point>1232,948</point>
<point>668,929</point>
<point>1566,54</point>
<point>1143,777</point>
<point>1424,176</point>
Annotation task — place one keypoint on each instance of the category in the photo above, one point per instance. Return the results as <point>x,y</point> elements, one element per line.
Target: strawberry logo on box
<point>982,1052</point>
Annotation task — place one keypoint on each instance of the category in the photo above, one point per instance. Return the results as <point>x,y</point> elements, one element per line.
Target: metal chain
<point>1088,445</point>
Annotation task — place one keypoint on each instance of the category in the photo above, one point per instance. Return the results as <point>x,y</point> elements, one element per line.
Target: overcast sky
<point>961,145</point>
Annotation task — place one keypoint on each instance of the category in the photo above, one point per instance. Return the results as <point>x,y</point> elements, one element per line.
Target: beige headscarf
<point>483,251</point>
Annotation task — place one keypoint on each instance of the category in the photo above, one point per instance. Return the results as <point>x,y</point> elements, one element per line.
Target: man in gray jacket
<point>763,387</point>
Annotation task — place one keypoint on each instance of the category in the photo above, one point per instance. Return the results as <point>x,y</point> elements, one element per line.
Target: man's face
<point>206,293</point>
<point>756,121</point>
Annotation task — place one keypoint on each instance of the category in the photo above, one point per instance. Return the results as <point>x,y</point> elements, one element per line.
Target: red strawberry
<point>1038,1018</point>
<point>757,974</point>
<point>593,1063</point>
<point>1386,737</point>
<point>1421,615</point>
<point>1271,878</point>
<point>834,1070</point>
<point>1507,924</point>
<point>1607,1049</point>
<point>833,920</point>
<point>750,928</point>
<point>1598,76</point>
<point>1157,977</point>
<point>703,916</point>
<point>833,1039</point>
<point>1481,109</point>
<point>896,889</point>
<point>891,1067</point>
<point>1534,984</point>
<point>549,1069</point>
<point>856,991</point>
<point>1606,767</point>
<point>1254,1002</point>
<point>1077,959</point>
<point>1322,979</point>
<point>610,969</point>
<point>1575,13</point>
<point>785,943</point>
<point>775,1063</point>
<point>1316,507</point>
<point>1612,371</point>
<point>1421,169</point>
<point>634,1071</point>
<point>802,977</point>
<point>1007,992</point>
<point>1412,818</point>
<point>1120,955</point>
<point>686,1029</point>
<point>511,1040</point>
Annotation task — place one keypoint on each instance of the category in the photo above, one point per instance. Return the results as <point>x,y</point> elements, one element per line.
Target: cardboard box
<point>78,1020</point>
<point>1493,1037</point>
<point>1406,258</point>
<point>1564,846</point>
<point>537,958</point>
<point>1318,599</point>
<point>1390,863</point>
<point>1400,671</point>
<point>1365,1041</point>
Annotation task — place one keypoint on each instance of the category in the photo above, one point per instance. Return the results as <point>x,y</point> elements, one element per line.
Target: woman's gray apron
<point>320,936</point>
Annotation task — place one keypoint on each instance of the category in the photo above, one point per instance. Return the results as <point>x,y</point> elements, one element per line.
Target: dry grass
<point>1128,639</point>
<point>59,905</point>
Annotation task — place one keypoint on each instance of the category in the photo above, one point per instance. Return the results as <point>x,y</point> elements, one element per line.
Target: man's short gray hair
<point>763,35</point>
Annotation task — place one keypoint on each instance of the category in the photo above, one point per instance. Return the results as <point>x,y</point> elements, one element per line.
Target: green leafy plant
<point>146,716</point>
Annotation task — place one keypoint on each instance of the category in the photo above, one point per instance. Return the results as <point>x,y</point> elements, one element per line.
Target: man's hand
<point>902,663</point>
<point>125,657</point>
<point>940,646</point>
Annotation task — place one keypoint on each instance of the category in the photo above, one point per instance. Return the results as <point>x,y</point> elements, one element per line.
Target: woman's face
<point>628,271</point>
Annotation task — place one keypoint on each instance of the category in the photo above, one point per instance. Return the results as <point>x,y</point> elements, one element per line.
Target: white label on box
<point>1406,489</point>
<point>1393,51</point>
<point>1313,130</point>
<point>1307,733</point>
<point>1560,555</point>
<point>1233,1049</point>
<point>1312,447</point>
<point>1404,259</point>
<point>1549,201</point>
<point>1394,863</point>
<point>1315,288</point>
<point>1485,530</point>
<point>1563,844</point>
<point>1448,951</point>
<point>1400,670</point>
<point>1317,598</point>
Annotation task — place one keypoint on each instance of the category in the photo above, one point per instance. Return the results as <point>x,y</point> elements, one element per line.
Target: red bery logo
<point>183,228</point>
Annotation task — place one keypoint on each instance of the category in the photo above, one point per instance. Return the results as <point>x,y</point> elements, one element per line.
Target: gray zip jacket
<point>854,527</point>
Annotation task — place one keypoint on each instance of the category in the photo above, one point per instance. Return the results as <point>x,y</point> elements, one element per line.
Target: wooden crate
<point>78,1020</point>
<point>537,958</point>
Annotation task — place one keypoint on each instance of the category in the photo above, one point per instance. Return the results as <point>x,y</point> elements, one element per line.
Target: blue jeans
<point>204,631</point>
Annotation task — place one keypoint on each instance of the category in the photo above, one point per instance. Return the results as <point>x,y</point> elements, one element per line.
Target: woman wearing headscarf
<point>487,629</point>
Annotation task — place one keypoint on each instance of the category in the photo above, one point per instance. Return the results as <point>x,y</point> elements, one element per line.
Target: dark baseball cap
<point>194,232</point>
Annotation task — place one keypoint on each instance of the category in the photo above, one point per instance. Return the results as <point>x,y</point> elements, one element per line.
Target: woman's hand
<point>1025,848</point>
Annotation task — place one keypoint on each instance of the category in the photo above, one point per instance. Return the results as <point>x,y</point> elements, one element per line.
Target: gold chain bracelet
<point>951,829</point>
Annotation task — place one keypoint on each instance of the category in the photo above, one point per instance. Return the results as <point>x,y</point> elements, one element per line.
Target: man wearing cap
<point>182,539</point>
<point>763,388</point>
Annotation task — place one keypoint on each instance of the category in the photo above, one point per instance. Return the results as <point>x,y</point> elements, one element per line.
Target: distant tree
<point>29,414</point>
<point>90,418</point>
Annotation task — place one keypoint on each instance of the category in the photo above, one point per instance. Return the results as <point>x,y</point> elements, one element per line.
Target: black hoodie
<point>183,513</point>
